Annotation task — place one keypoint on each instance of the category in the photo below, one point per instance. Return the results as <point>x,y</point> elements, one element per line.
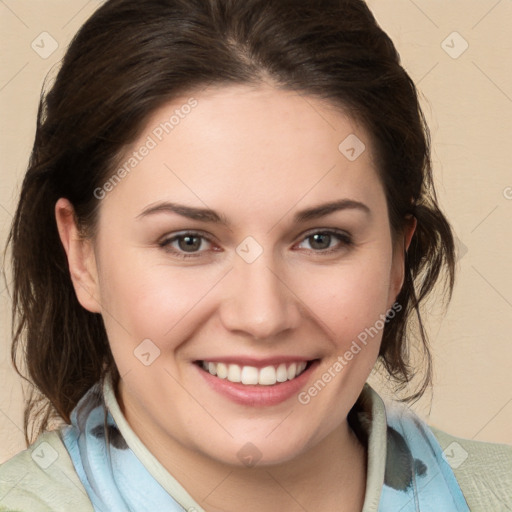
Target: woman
<point>234,216</point>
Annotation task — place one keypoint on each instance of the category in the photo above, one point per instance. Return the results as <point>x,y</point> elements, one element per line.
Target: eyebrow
<point>208,215</point>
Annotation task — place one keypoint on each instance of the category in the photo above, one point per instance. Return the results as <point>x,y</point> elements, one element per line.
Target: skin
<point>256,155</point>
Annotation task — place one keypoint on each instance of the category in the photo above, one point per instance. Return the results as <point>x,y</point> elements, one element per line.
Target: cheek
<point>168,303</point>
<point>143,300</point>
<point>350,297</point>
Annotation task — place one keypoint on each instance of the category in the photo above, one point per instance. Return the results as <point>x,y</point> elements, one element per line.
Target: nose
<point>258,301</point>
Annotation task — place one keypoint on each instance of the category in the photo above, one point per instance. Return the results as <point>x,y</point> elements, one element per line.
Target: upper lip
<point>257,362</point>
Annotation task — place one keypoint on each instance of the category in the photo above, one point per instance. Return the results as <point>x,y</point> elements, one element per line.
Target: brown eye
<point>189,243</point>
<point>186,245</point>
<point>322,241</point>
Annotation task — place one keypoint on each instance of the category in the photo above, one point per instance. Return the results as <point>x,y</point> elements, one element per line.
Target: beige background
<point>468,101</point>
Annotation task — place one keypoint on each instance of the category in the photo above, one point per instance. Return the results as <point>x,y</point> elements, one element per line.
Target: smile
<point>250,375</point>
<point>257,382</point>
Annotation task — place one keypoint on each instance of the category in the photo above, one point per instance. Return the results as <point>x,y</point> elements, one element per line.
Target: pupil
<point>321,241</point>
<point>189,243</point>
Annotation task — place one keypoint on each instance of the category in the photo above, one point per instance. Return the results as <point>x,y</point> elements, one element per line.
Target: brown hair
<point>129,59</point>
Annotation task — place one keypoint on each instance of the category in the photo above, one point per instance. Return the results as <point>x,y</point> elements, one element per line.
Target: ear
<point>402,246</point>
<point>81,257</point>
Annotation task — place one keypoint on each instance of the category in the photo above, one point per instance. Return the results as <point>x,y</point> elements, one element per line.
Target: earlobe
<point>80,255</point>
<point>400,256</point>
<point>409,231</point>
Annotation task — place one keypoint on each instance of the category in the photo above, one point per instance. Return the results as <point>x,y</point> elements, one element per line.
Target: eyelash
<point>343,237</point>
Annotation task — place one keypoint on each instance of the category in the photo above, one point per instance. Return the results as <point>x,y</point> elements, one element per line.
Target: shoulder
<point>42,478</point>
<point>483,470</point>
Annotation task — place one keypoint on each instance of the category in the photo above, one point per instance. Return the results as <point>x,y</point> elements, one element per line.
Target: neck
<point>331,473</point>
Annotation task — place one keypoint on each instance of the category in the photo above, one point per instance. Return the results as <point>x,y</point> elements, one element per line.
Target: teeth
<point>222,371</point>
<point>249,375</point>
<point>267,376</point>
<point>234,373</point>
<point>292,371</point>
<point>281,374</point>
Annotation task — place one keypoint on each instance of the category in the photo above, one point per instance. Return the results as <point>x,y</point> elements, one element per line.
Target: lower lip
<point>257,395</point>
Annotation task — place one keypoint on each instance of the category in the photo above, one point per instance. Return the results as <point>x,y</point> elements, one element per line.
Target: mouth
<point>257,384</point>
<point>251,375</point>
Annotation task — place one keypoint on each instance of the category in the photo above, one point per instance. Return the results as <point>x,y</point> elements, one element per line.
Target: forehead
<point>266,146</point>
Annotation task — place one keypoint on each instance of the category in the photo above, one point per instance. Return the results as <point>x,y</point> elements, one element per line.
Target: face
<point>243,242</point>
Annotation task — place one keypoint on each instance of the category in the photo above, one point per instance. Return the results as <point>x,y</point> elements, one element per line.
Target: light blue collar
<point>415,477</point>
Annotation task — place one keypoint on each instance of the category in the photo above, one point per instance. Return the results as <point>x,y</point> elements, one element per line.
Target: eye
<point>191,244</point>
<point>185,245</point>
<point>322,241</point>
